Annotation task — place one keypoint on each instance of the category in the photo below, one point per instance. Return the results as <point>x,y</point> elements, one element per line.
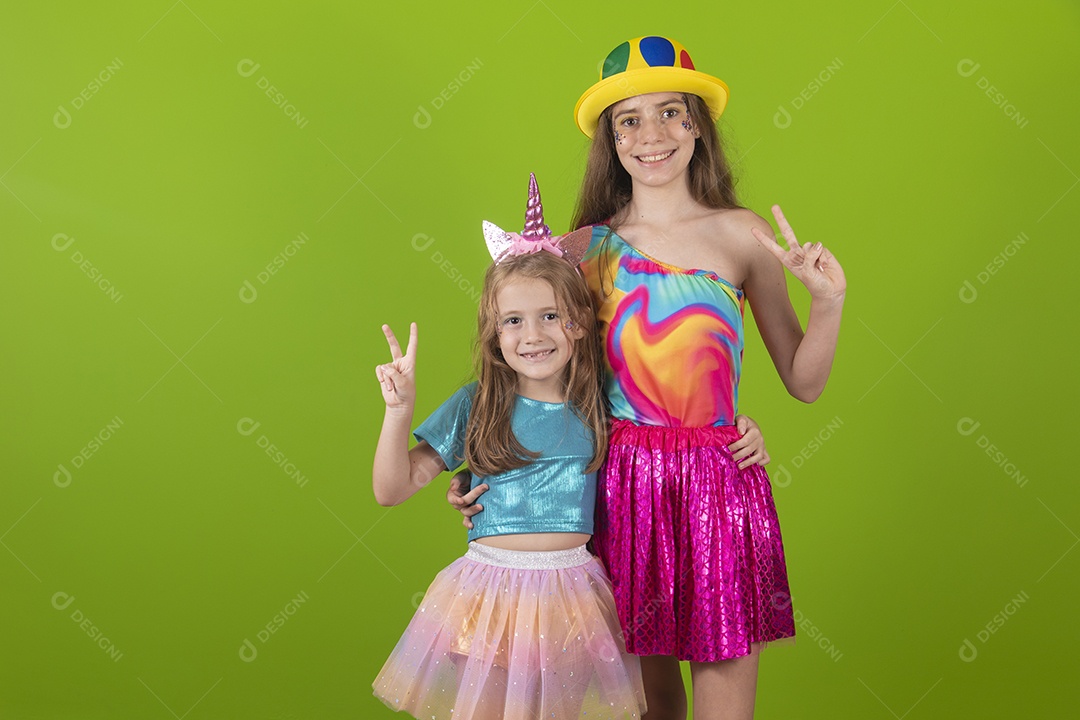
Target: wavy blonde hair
<point>490,444</point>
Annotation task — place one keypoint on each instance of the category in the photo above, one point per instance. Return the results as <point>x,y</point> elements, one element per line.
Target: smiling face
<point>654,137</point>
<point>533,337</point>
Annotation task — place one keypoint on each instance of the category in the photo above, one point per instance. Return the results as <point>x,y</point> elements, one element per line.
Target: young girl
<point>524,625</point>
<point>691,540</point>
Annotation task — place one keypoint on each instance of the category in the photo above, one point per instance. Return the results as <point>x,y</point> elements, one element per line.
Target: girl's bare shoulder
<point>729,230</point>
<point>721,240</point>
<point>735,223</point>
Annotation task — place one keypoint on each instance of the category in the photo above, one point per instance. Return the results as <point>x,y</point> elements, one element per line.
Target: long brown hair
<point>490,444</point>
<point>607,187</point>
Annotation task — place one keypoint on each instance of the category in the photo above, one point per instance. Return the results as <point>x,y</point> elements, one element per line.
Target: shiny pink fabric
<point>692,544</point>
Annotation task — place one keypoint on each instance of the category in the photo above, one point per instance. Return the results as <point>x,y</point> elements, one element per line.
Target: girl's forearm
<point>392,470</point>
<point>814,357</point>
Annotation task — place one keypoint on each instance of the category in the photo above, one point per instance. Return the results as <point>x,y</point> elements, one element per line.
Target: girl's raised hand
<point>398,377</point>
<point>813,264</point>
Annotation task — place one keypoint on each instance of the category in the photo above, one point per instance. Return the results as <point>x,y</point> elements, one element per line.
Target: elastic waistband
<point>528,559</point>
<point>623,430</point>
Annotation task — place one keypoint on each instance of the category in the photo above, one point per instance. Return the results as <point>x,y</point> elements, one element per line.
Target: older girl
<point>690,539</point>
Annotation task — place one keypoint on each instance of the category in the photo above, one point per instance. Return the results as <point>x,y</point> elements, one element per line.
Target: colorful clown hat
<point>646,65</point>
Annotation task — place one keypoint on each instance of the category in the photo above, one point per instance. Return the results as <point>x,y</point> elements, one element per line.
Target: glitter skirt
<point>512,635</point>
<point>691,543</point>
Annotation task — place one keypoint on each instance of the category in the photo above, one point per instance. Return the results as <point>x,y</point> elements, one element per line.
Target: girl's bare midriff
<point>536,541</point>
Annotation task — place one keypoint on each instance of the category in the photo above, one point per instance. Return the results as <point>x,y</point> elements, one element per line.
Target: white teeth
<point>536,355</point>
<point>655,158</point>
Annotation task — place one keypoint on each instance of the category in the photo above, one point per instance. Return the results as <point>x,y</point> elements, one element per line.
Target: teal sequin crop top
<point>553,493</point>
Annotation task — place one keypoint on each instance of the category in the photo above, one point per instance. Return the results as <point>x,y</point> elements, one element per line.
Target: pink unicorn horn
<point>534,213</point>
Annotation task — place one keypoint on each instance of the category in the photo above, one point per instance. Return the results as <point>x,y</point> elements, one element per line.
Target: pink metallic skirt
<point>691,543</point>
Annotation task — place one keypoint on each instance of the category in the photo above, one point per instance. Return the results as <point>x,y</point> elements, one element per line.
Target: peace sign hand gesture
<point>398,377</point>
<point>812,264</point>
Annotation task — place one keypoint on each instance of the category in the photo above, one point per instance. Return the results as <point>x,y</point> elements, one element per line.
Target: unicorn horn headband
<point>536,235</point>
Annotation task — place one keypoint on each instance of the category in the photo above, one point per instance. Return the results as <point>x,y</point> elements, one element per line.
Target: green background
<point>149,181</point>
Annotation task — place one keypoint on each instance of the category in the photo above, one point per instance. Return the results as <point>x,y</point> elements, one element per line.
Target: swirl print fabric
<point>673,338</point>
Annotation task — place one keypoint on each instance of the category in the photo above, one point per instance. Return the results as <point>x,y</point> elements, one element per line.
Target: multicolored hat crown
<point>647,65</point>
<point>645,52</point>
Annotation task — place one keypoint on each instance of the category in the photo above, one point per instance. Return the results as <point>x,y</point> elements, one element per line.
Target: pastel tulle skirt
<point>691,543</point>
<point>510,635</point>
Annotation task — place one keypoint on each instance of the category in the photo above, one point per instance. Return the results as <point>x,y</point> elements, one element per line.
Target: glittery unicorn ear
<point>498,241</point>
<point>574,245</point>
<point>534,213</point>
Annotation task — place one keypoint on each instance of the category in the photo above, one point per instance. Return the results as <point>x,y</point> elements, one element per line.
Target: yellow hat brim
<point>630,83</point>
